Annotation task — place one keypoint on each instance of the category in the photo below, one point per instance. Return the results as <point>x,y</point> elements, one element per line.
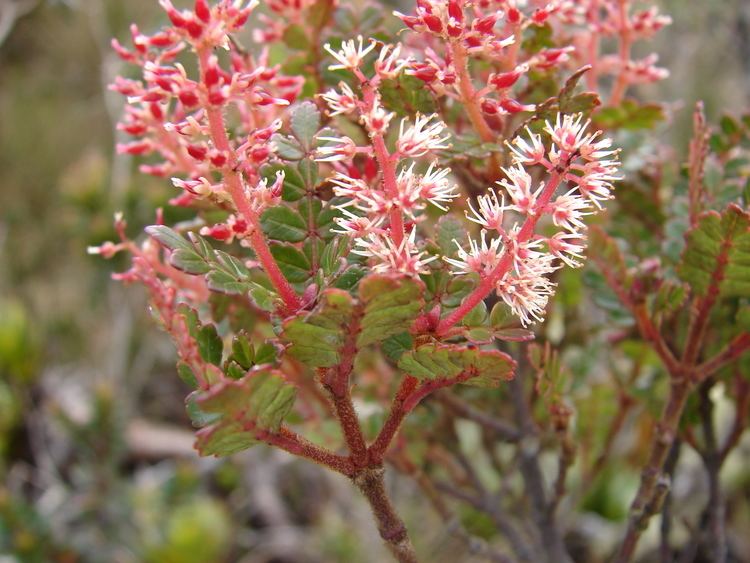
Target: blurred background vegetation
<point>95,450</point>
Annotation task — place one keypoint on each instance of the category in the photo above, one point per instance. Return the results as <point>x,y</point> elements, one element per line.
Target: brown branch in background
<point>736,347</point>
<point>698,151</point>
<point>498,427</point>
<point>741,414</point>
<point>483,503</point>
<point>665,550</point>
<point>528,452</point>
<point>714,534</point>
<point>474,545</point>
<point>646,502</point>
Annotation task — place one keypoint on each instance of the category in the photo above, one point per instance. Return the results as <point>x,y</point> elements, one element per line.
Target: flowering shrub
<point>375,222</point>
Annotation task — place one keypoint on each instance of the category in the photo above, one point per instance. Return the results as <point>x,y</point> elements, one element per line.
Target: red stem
<point>487,284</point>
<point>386,162</point>
<point>234,184</point>
<point>408,396</point>
<point>626,41</point>
<point>291,442</point>
<point>471,103</point>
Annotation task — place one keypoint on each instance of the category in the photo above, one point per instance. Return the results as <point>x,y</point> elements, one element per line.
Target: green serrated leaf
<point>284,224</point>
<point>396,345</point>
<point>189,262</point>
<point>210,345</point>
<point>293,264</point>
<point>350,278</point>
<point>259,401</point>
<point>305,122</point>
<point>224,282</point>
<point>450,228</point>
<point>288,147</point>
<point>407,95</point>
<point>235,371</point>
<point>308,171</point>
<point>168,237</point>
<point>262,297</point>
<point>316,338</point>
<point>717,254</point>
<point>481,368</point>
<point>477,316</point>
<point>187,375</point>
<point>391,305</point>
<point>243,351</point>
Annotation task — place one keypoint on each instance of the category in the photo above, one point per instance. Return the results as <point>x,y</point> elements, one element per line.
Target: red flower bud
<point>433,23</point>
<point>504,79</point>
<point>202,10</point>
<point>198,152</point>
<point>486,24</point>
<point>511,106</point>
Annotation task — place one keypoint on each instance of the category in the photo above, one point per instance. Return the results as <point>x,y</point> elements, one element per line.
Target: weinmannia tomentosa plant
<point>367,207</point>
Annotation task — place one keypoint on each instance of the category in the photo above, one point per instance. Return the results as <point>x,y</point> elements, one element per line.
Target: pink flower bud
<point>511,106</point>
<point>135,148</point>
<point>198,152</point>
<point>188,98</point>
<point>218,231</point>
<point>433,23</point>
<point>504,79</point>
<point>513,15</point>
<point>202,10</point>
<point>485,25</point>
<point>490,106</point>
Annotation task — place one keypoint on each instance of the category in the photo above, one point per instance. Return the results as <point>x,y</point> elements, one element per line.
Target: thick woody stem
<point>392,529</point>
<point>647,502</point>
<point>487,284</point>
<point>234,184</point>
<point>471,103</point>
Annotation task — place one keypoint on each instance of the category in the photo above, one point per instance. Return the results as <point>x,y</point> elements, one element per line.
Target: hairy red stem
<point>234,184</point>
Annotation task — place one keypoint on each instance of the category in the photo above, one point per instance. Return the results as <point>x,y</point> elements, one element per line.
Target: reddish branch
<point>234,183</point>
<point>470,102</point>
<point>696,161</point>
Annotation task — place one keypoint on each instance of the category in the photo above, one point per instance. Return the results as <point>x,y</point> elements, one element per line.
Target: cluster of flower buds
<point>510,253</point>
<point>593,20</point>
<point>377,206</point>
<point>285,13</point>
<point>167,111</point>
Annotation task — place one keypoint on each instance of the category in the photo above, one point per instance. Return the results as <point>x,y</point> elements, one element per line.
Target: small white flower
<point>568,211</point>
<point>435,187</point>
<point>377,119</point>
<point>481,258</point>
<point>490,211</point>
<point>388,64</point>
<point>356,225</point>
<point>518,186</point>
<point>404,258</point>
<point>526,289</point>
<point>421,137</point>
<point>341,102</point>
<point>531,152</point>
<point>568,247</point>
<point>335,149</point>
<point>350,55</point>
